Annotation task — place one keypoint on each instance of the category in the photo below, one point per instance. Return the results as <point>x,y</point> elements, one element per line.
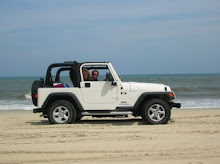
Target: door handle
<point>87,85</point>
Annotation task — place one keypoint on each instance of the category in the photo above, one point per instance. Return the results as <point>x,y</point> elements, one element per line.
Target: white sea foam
<point>186,103</point>
<point>28,96</point>
<point>199,103</point>
<point>192,91</point>
<point>15,105</point>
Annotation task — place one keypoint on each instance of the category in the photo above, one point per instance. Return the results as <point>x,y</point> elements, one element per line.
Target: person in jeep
<point>86,74</point>
<point>95,75</point>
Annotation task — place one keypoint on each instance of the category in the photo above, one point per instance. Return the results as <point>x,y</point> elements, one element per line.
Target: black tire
<point>156,111</point>
<point>61,112</point>
<point>78,118</point>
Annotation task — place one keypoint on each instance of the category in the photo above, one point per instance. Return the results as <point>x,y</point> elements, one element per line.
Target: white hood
<point>147,87</point>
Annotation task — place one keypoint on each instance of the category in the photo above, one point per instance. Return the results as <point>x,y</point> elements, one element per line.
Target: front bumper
<point>175,105</point>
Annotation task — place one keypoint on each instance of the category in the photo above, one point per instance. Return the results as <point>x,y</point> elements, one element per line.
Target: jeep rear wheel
<point>61,112</point>
<point>156,111</point>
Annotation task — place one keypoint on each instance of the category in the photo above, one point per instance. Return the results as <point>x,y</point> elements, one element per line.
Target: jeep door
<point>99,94</point>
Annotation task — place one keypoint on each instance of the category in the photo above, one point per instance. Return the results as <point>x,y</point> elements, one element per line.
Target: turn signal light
<point>171,94</point>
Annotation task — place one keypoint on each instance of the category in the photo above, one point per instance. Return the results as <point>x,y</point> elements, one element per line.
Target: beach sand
<point>191,137</point>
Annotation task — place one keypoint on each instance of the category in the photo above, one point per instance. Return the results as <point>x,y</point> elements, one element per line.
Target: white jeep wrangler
<point>107,97</point>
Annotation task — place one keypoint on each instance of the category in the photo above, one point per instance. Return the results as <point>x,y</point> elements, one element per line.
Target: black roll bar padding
<point>48,79</point>
<point>57,78</point>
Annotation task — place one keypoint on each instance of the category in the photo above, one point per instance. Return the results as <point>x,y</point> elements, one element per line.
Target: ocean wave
<point>28,96</point>
<point>186,103</point>
<point>16,96</point>
<point>199,103</point>
<point>15,105</point>
<point>196,89</point>
<point>184,89</point>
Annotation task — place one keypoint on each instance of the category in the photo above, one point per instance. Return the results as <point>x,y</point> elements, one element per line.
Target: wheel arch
<point>70,97</point>
<point>148,96</point>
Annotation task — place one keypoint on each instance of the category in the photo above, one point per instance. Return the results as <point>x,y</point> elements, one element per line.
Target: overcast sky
<point>137,36</point>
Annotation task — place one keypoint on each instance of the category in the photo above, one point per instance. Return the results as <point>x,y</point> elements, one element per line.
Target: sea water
<point>192,90</point>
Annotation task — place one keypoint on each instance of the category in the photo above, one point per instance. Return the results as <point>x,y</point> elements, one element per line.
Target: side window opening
<point>102,72</point>
<point>60,78</point>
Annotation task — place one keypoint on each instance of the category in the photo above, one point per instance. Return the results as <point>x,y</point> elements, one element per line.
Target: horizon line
<point>122,74</point>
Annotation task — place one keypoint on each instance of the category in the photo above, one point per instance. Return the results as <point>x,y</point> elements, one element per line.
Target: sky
<point>136,36</point>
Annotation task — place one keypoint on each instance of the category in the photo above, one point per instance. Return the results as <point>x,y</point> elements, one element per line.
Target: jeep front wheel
<point>156,111</point>
<point>61,112</point>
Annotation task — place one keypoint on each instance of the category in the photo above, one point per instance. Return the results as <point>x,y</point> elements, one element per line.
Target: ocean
<point>192,90</point>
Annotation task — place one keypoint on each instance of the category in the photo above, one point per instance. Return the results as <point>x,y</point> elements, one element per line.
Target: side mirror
<point>114,83</point>
<point>110,78</point>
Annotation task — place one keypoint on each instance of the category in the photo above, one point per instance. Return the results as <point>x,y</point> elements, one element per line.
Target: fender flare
<point>150,95</point>
<point>72,97</point>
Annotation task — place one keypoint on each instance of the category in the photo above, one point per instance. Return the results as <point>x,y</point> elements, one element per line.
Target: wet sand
<point>191,136</point>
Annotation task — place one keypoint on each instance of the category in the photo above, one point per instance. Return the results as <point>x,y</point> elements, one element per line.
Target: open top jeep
<point>65,103</point>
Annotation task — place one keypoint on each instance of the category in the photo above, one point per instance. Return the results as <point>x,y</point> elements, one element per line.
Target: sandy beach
<point>191,136</point>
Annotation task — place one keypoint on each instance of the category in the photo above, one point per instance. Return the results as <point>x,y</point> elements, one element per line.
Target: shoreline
<point>191,136</point>
<point>182,108</point>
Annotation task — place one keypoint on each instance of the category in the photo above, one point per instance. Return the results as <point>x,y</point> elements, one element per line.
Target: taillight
<point>36,95</point>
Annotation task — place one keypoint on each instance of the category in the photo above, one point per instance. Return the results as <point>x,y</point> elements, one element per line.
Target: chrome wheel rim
<point>61,114</point>
<point>156,112</point>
